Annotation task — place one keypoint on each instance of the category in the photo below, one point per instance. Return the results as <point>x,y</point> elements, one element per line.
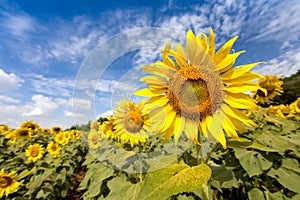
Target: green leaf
<point>23,174</point>
<point>245,143</point>
<point>255,194</point>
<point>275,196</point>
<point>274,141</point>
<point>253,162</point>
<point>220,173</point>
<point>124,190</point>
<point>287,178</point>
<point>291,164</point>
<point>174,179</point>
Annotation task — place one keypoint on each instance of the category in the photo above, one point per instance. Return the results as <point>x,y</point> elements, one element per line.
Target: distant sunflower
<point>4,129</point>
<point>196,88</point>
<point>75,134</point>
<point>35,152</point>
<point>296,105</point>
<point>95,126</point>
<point>61,139</point>
<point>272,110</point>
<point>22,133</point>
<point>132,122</point>
<point>12,138</point>
<point>8,183</point>
<point>108,128</point>
<point>67,134</point>
<point>53,149</point>
<point>46,131</point>
<point>55,130</point>
<point>285,111</point>
<point>273,86</point>
<point>94,140</point>
<point>33,127</point>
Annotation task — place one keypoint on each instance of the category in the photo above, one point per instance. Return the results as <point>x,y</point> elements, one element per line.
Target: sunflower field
<point>207,129</point>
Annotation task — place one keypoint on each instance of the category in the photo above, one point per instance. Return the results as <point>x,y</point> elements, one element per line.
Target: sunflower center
<point>23,132</point>
<point>133,121</point>
<point>53,148</point>
<point>195,93</point>
<point>95,140</point>
<point>298,104</point>
<point>5,181</point>
<point>34,153</point>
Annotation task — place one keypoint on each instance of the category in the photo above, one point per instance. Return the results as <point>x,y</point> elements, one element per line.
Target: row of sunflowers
<point>194,137</point>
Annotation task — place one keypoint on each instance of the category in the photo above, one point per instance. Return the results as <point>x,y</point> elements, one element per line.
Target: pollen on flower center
<point>34,153</point>
<point>133,121</point>
<point>195,93</point>
<point>5,181</point>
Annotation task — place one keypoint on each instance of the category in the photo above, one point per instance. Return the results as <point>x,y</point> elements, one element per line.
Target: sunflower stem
<point>204,190</point>
<point>198,149</point>
<point>141,163</point>
<point>211,152</point>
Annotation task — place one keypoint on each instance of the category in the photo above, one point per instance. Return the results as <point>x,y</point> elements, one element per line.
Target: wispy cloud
<point>9,81</point>
<point>41,106</point>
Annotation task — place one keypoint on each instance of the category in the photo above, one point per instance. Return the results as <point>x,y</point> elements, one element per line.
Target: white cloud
<point>8,99</point>
<point>106,113</point>
<point>9,81</point>
<point>285,65</point>
<point>83,104</point>
<point>41,106</point>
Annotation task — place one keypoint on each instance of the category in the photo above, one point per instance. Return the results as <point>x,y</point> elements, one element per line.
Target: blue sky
<point>51,70</point>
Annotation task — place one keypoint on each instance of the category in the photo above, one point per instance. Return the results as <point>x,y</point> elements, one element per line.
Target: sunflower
<point>53,149</point>
<point>22,133</point>
<point>33,127</point>
<point>46,131</point>
<point>196,88</point>
<point>4,129</point>
<point>12,138</point>
<point>296,105</point>
<point>273,86</point>
<point>95,126</point>
<point>8,183</point>
<point>285,111</point>
<point>67,134</point>
<point>132,122</point>
<point>94,139</point>
<point>61,139</point>
<point>35,152</point>
<point>75,134</point>
<point>108,128</point>
<point>272,110</point>
<point>55,130</point>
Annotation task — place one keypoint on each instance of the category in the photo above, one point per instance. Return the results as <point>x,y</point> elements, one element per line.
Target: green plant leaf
<point>124,190</point>
<point>287,178</point>
<point>220,173</point>
<point>246,143</point>
<point>253,162</point>
<point>256,194</point>
<point>174,179</point>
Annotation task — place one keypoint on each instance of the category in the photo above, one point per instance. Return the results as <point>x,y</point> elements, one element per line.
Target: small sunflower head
<point>61,139</point>
<point>4,129</point>
<point>30,125</point>
<point>296,105</point>
<point>46,131</point>
<point>22,133</point>
<point>95,126</point>
<point>35,152</point>
<point>56,129</point>
<point>109,129</point>
<point>94,140</point>
<point>75,134</point>
<point>8,183</point>
<point>272,84</point>
<point>285,111</point>
<point>53,149</point>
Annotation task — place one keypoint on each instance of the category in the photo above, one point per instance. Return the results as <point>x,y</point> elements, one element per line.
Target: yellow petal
<point>191,128</point>
<point>178,127</point>
<point>237,114</point>
<point>147,92</point>
<point>242,87</point>
<point>241,103</point>
<point>158,69</point>
<point>248,76</point>
<point>154,80</point>
<point>239,71</point>
<point>229,128</point>
<point>228,61</point>
<point>216,128</point>
<point>158,100</point>
<point>169,120</point>
<point>224,51</point>
<point>212,45</point>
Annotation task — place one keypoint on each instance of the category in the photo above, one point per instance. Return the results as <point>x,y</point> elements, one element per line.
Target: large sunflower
<point>8,183</point>
<point>273,86</point>
<point>35,152</point>
<point>132,122</point>
<point>196,88</point>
